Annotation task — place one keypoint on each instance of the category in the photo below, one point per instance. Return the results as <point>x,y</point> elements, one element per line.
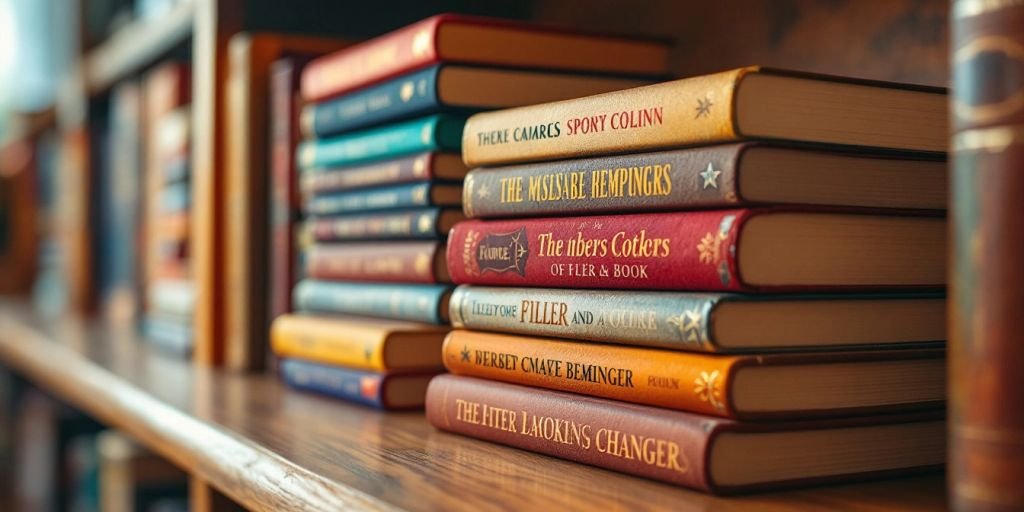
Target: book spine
<point>372,61</point>
<point>409,262</point>
<point>408,96</point>
<point>675,380</point>
<point>662,445</point>
<point>326,341</point>
<point>666,251</point>
<point>694,111</point>
<point>410,224</point>
<point>407,169</point>
<point>987,280</point>
<point>376,199</point>
<point>674,321</point>
<point>432,133</point>
<point>355,386</point>
<point>697,178</point>
<point>284,196</point>
<point>413,302</point>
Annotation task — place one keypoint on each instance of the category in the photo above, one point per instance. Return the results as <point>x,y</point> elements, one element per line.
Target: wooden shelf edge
<point>135,46</point>
<point>253,476</point>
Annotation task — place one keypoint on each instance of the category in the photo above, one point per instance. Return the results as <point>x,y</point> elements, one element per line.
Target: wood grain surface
<point>271,448</point>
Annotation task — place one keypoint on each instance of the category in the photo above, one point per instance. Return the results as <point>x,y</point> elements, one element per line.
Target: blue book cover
<point>395,197</point>
<point>362,387</point>
<point>414,94</point>
<point>426,303</point>
<point>432,133</point>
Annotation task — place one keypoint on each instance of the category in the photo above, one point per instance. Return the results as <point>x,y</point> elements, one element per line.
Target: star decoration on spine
<point>703,107</point>
<point>465,354</point>
<point>710,176</point>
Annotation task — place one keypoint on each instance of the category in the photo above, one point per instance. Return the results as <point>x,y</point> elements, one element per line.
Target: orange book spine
<point>675,380</point>
<point>695,110</point>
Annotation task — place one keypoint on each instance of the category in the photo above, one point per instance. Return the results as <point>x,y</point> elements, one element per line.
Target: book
<point>705,322</point>
<point>429,166</point>
<point>730,386</point>
<point>246,178</point>
<point>407,262</point>
<point>284,200</point>
<point>689,450</point>
<point>381,390</point>
<point>427,303</point>
<point>395,197</point>
<point>447,87</point>
<point>714,250</point>
<point>173,296</point>
<point>440,132</point>
<point>466,39</point>
<point>169,333</point>
<point>707,177</point>
<point>417,223</point>
<point>986,427</point>
<point>358,343</point>
<point>746,103</point>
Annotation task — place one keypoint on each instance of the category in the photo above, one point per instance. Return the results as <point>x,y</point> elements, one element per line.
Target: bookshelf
<point>270,448</point>
<point>246,439</point>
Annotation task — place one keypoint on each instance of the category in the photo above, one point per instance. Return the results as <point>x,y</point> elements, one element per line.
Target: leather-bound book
<point>986,469</point>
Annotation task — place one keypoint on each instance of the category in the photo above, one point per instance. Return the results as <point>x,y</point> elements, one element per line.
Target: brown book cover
<point>414,224</point>
<point>246,176</point>
<point>741,104</point>
<point>685,449</point>
<point>730,386</point>
<point>429,166</point>
<point>402,262</point>
<point>986,278</point>
<point>729,175</point>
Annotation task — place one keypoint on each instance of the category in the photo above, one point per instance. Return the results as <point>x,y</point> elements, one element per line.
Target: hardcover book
<point>284,195</point>
<point>986,426</point>
<point>430,166</point>
<point>395,197</point>
<point>715,250</point>
<point>246,178</point>
<point>442,132</point>
<point>427,303</point>
<point>475,40</point>
<point>730,386</point>
<point>413,224</point>
<point>707,177</point>
<point>689,450</point>
<point>407,262</point>
<point>451,87</point>
<point>746,103</point>
<point>705,322</point>
<point>358,343</point>
<point>381,390</point>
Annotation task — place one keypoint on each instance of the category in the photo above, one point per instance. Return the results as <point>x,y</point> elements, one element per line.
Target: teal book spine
<point>416,303</point>
<point>441,132</point>
<point>416,195</point>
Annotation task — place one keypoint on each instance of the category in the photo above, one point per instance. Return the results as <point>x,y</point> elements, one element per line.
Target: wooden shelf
<point>271,448</point>
<point>135,46</point>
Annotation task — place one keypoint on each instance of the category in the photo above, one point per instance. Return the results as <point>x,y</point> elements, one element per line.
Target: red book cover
<point>468,39</point>
<point>403,262</point>
<point>701,250</point>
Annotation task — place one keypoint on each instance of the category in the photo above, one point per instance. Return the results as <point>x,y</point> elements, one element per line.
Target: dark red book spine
<point>284,195</point>
<point>577,428</point>
<point>381,58</point>
<point>404,262</point>
<point>666,251</point>
<point>986,465</point>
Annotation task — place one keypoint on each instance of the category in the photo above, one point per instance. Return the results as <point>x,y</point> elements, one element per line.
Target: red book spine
<point>582,429</point>
<point>665,251</point>
<point>284,195</point>
<point>373,61</point>
<point>405,262</point>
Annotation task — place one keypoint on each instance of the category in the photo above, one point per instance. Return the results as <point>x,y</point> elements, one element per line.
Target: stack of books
<point>788,328</point>
<point>381,184</point>
<point>169,301</point>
